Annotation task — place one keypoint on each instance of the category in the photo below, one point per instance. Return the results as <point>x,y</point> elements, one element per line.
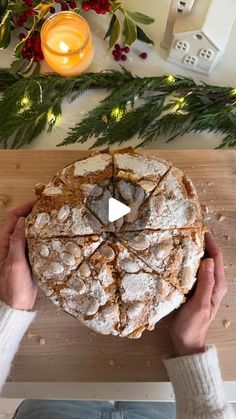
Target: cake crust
<point>117,278</point>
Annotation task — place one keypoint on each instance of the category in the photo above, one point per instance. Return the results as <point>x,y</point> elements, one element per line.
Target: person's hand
<point>190,324</point>
<point>17,289</point>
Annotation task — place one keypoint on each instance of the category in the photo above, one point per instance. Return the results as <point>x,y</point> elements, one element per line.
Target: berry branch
<point>25,18</point>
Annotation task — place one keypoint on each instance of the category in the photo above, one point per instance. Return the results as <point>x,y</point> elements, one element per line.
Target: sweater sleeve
<point>198,386</point>
<point>13,325</point>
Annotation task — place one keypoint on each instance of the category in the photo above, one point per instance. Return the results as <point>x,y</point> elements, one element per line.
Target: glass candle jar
<point>67,43</point>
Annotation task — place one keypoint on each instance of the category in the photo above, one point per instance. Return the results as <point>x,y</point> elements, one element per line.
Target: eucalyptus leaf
<point>115,7</point>
<point>112,22</point>
<point>142,36</point>
<point>140,17</point>
<point>115,33</point>
<point>16,66</point>
<point>3,6</point>
<point>129,31</point>
<point>5,30</point>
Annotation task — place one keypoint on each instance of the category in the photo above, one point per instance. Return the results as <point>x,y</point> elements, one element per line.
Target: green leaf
<point>142,36</point>
<point>112,22</point>
<point>140,17</point>
<point>5,30</point>
<point>3,6</point>
<point>115,7</point>
<point>16,66</point>
<point>115,33</point>
<point>129,31</point>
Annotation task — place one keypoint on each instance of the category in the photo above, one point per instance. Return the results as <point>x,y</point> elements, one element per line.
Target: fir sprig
<point>147,108</point>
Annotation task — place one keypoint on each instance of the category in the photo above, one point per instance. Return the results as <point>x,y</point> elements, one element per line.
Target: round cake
<point>118,277</point>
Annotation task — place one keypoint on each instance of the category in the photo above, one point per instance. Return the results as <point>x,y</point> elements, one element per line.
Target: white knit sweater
<point>196,379</point>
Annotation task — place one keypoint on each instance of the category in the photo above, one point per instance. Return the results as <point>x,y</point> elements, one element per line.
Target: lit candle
<point>67,43</point>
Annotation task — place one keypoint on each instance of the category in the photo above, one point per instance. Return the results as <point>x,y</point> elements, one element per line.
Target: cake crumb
<point>30,335</point>
<point>111,362</point>
<point>4,199</point>
<point>227,237</point>
<point>42,341</point>
<point>205,209</point>
<point>226,323</point>
<point>220,217</point>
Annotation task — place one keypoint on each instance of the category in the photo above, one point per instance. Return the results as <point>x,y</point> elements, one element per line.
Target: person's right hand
<point>190,324</point>
<point>17,289</point>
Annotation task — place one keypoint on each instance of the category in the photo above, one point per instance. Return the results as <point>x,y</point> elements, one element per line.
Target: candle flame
<point>63,46</point>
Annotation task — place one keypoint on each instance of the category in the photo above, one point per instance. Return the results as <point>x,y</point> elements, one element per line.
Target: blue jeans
<point>75,409</point>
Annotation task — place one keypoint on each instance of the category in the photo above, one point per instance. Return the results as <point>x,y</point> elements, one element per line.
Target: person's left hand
<point>17,288</point>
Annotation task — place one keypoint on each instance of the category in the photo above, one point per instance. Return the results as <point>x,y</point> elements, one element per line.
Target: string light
<point>233,92</point>
<point>180,102</point>
<point>25,103</point>
<point>117,114</point>
<point>170,79</point>
<point>51,117</point>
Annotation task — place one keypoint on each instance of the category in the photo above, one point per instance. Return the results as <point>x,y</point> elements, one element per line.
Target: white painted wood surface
<point>149,391</point>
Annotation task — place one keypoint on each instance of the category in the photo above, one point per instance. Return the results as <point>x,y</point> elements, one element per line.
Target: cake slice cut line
<point>115,236</point>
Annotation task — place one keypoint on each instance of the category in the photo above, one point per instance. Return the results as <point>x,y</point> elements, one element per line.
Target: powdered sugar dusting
<point>137,286</point>
<point>162,308</point>
<point>141,165</point>
<point>132,281</point>
<point>91,165</point>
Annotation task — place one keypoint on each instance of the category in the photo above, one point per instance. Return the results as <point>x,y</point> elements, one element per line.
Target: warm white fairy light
<point>51,117</point>
<point>170,79</point>
<point>117,113</point>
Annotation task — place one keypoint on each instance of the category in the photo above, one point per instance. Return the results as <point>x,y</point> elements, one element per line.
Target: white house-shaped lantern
<point>197,32</point>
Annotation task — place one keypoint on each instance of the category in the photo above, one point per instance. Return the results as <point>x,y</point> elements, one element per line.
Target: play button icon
<point>113,209</point>
<point>116,210</point>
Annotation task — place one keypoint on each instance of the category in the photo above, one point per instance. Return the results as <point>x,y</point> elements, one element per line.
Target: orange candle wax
<point>67,43</point>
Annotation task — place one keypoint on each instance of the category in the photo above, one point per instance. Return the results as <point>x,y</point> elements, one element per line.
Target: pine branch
<point>148,108</point>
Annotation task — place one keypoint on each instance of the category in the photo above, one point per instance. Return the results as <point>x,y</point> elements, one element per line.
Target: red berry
<point>28,43</point>
<point>73,5</point>
<point>64,6</point>
<point>117,58</point>
<point>20,22</point>
<point>24,52</point>
<point>97,7</point>
<point>29,54</point>
<point>37,48</point>
<point>117,47</point>
<point>29,3</point>
<point>52,9</point>
<point>117,54</point>
<point>27,13</point>
<point>126,50</point>
<point>86,7</point>
<point>143,55</point>
<point>21,36</point>
<point>36,58</point>
<point>41,56</point>
<point>123,57</point>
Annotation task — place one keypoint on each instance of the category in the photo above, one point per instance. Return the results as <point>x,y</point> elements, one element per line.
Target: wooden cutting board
<point>57,347</point>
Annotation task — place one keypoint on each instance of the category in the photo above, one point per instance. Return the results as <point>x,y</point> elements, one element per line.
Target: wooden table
<point>73,353</point>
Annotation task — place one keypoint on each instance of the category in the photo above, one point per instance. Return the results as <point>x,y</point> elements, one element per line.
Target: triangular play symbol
<point>116,209</point>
